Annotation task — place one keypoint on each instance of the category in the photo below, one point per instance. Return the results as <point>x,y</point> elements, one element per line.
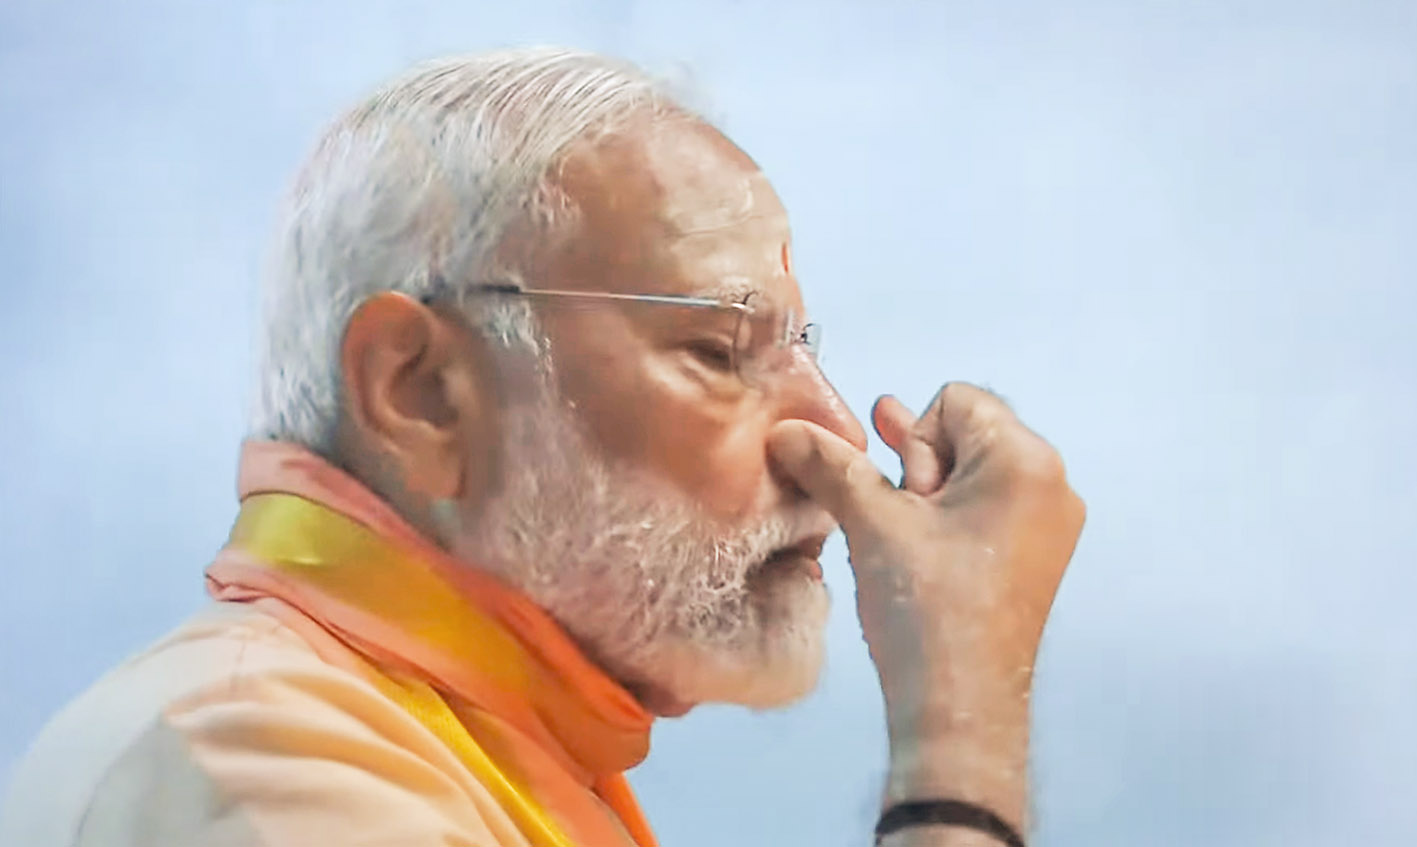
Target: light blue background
<point>1179,236</point>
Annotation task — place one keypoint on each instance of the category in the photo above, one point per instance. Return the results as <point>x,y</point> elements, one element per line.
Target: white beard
<point>656,593</point>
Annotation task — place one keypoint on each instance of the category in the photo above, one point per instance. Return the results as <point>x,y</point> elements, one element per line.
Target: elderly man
<point>542,453</point>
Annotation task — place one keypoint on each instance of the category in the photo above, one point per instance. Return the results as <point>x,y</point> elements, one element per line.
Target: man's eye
<point>715,354</point>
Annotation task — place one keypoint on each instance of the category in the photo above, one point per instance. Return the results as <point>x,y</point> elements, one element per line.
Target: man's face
<point>637,502</point>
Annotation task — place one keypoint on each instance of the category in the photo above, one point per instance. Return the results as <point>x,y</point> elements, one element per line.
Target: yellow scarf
<point>461,653</point>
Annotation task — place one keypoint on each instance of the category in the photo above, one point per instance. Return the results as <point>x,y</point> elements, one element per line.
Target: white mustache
<point>797,525</point>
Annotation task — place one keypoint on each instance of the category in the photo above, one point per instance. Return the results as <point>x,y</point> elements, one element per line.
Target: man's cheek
<point>736,482</point>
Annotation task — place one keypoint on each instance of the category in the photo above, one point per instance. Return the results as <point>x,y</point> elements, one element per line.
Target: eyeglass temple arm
<point>670,299</point>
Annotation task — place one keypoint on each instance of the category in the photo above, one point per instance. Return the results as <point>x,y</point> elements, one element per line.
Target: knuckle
<point>968,408</point>
<point>974,397</point>
<point>949,392</point>
<point>860,474</point>
<point>956,399</point>
<point>1033,459</point>
<point>1078,508</point>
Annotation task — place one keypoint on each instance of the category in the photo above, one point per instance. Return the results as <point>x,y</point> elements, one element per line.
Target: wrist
<point>944,822</point>
<point>975,770</point>
<point>988,708</point>
<point>932,687</point>
<point>976,752</point>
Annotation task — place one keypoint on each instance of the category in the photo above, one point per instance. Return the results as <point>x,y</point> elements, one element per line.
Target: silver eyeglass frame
<point>808,335</point>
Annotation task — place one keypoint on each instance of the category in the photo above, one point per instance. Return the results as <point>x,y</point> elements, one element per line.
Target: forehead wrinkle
<point>758,220</point>
<point>728,264</point>
<point>708,210</point>
<point>711,219</point>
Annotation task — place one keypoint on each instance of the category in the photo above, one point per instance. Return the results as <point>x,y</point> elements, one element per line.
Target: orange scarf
<point>486,670</point>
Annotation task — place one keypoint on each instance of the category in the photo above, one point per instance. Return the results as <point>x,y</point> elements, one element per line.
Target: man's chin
<point>717,679</point>
<point>782,666</point>
<point>662,704</point>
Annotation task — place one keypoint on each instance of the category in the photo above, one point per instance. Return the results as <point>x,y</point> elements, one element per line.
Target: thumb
<point>830,470</point>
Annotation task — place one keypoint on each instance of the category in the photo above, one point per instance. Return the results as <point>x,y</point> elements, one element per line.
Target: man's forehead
<point>679,173</point>
<point>717,204</point>
<point>673,206</point>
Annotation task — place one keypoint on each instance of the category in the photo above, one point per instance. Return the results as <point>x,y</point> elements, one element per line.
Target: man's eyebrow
<point>733,290</point>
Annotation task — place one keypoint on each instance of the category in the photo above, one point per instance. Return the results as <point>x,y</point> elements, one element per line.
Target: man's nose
<point>808,395</point>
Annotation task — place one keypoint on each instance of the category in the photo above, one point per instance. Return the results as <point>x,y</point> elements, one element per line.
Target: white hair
<point>416,185</point>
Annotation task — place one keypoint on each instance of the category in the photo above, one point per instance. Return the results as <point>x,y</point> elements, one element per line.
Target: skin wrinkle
<point>691,244</point>
<point>717,201</point>
<point>690,221</point>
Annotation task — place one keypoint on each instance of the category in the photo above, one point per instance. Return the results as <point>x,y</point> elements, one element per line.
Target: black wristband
<point>947,813</point>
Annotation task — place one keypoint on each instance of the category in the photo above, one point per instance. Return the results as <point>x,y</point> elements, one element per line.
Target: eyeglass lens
<point>766,336</point>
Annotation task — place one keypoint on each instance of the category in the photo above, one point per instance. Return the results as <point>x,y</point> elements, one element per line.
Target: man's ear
<point>412,393</point>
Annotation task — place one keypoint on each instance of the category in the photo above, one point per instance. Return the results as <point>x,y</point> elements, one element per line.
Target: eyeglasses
<point>764,336</point>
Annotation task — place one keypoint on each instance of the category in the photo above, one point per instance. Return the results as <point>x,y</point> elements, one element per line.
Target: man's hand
<point>956,570</point>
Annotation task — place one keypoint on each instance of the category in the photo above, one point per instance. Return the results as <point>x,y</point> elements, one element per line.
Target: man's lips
<point>811,546</point>
<point>804,554</point>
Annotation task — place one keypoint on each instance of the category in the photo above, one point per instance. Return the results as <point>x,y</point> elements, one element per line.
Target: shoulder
<point>233,730</point>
